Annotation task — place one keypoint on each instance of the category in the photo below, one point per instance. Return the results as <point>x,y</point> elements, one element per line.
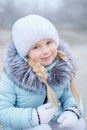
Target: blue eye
<point>48,43</point>
<point>36,47</point>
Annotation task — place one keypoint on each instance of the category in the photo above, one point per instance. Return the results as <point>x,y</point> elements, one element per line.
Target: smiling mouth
<point>46,58</point>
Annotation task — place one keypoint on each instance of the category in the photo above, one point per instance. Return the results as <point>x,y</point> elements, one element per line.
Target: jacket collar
<point>22,75</point>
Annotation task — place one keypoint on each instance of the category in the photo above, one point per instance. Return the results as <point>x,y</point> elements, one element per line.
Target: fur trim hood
<point>23,76</point>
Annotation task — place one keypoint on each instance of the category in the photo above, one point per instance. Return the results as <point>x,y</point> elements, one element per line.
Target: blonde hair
<point>42,75</point>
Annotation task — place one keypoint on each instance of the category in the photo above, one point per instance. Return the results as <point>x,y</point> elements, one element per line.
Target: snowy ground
<point>78,42</point>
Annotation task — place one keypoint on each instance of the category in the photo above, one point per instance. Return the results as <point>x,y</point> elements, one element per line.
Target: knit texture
<point>31,29</point>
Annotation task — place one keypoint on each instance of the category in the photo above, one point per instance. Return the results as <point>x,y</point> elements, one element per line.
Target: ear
<point>61,55</point>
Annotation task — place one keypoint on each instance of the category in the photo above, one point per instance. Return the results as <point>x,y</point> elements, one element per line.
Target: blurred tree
<point>58,11</point>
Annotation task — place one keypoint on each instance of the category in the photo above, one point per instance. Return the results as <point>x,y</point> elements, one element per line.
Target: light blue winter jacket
<point>17,98</point>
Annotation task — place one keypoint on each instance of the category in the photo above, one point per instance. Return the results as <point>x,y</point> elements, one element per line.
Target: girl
<point>37,89</point>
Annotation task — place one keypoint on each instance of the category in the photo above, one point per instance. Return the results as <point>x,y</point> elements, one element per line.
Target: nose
<point>45,50</point>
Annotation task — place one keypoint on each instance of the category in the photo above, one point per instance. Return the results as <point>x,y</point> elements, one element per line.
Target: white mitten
<point>43,114</point>
<point>68,119</point>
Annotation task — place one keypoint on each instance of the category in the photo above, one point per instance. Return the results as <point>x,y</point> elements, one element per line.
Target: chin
<point>47,63</point>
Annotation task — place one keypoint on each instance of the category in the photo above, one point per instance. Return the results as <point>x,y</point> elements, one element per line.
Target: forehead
<point>43,41</point>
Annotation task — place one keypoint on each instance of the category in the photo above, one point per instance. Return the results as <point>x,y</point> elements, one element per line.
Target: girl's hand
<point>45,113</point>
<point>67,120</point>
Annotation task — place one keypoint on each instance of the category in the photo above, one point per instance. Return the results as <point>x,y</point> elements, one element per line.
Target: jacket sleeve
<point>67,100</point>
<point>11,116</point>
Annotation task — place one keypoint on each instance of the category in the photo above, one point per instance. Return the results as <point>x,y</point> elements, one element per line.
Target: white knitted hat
<point>31,29</point>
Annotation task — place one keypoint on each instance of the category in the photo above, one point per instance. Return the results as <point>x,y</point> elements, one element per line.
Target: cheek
<point>34,56</point>
<point>55,52</point>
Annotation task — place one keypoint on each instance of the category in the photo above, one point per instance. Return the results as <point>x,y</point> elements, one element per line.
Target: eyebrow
<point>50,40</point>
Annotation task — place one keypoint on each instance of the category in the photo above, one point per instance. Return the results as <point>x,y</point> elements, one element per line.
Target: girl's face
<point>43,52</point>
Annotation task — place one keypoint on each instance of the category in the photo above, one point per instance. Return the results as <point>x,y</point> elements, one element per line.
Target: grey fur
<point>22,75</point>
